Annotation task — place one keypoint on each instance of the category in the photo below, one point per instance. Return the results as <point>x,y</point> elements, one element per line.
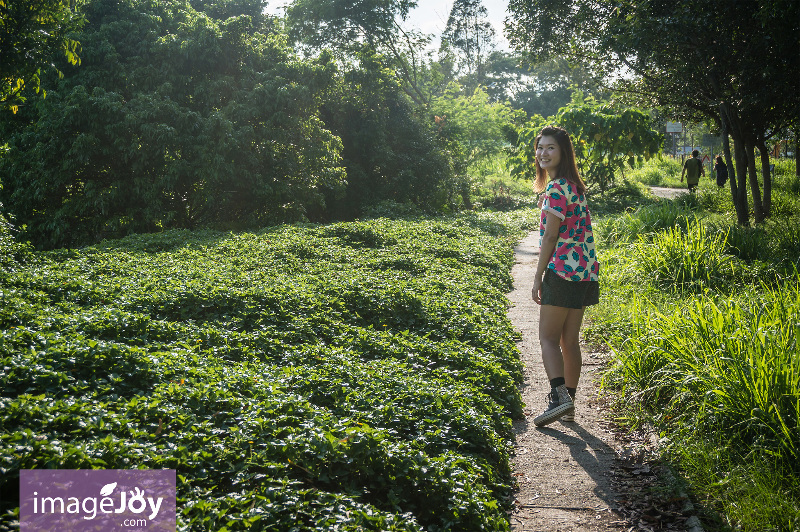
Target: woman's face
<point>548,154</point>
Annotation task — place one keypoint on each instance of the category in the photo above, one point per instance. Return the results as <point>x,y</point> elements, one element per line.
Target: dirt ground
<point>668,193</point>
<point>581,476</point>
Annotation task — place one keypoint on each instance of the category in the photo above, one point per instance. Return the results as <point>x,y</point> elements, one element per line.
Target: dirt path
<point>668,193</point>
<point>563,469</point>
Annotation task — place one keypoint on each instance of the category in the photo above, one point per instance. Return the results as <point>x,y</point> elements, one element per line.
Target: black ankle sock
<point>558,381</point>
<point>572,392</point>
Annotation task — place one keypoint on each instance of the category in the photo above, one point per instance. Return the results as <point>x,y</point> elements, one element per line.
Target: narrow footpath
<point>563,469</point>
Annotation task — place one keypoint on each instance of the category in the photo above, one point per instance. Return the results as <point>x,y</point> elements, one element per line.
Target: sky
<point>430,16</point>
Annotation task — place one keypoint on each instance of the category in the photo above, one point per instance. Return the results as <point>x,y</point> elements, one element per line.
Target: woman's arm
<point>549,241</point>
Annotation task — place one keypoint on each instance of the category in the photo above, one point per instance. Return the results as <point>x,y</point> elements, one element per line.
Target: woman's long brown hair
<point>567,168</point>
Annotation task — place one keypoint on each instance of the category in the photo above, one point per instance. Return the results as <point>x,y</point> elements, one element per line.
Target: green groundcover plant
<point>354,376</point>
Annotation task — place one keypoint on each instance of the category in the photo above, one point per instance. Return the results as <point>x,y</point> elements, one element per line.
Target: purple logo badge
<point>97,499</point>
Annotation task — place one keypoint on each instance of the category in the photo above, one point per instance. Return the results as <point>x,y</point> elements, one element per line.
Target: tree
<point>722,60</point>
<point>471,35</point>
<point>388,149</point>
<point>175,119</point>
<point>32,33</point>
<point>549,86</point>
<point>346,26</point>
<point>478,123</point>
<point>605,139</point>
<point>474,127</point>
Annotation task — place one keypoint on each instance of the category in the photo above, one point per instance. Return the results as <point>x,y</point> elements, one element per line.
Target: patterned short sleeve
<point>555,199</point>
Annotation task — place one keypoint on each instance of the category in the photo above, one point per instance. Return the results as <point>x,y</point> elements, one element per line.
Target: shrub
<point>693,259</point>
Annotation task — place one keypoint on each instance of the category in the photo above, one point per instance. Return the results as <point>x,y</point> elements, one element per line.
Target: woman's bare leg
<point>552,321</point>
<point>571,346</point>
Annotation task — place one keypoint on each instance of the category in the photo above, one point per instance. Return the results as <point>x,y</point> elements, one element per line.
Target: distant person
<point>721,170</point>
<point>566,278</point>
<point>693,169</point>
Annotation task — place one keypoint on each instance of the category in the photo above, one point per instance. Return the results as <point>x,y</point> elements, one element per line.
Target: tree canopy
<point>470,34</point>
<point>733,62</point>
<point>606,139</point>
<point>32,34</point>
<point>175,119</point>
<point>197,113</point>
<point>347,27</point>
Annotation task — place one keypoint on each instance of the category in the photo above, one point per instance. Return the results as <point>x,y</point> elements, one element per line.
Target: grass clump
<point>644,222</point>
<point>661,171</point>
<point>690,258</point>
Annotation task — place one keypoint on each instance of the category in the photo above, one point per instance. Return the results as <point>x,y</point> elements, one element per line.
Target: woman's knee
<point>570,344</point>
<point>550,342</point>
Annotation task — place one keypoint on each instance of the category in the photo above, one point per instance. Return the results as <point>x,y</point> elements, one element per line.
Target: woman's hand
<point>541,200</point>
<point>536,291</point>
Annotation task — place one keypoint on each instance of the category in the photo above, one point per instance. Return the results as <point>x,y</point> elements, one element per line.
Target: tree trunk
<point>762,147</point>
<point>726,149</point>
<point>464,189</point>
<point>732,124</point>
<point>740,200</point>
<point>755,188</point>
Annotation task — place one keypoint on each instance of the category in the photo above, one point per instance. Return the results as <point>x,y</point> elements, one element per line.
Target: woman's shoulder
<point>569,187</point>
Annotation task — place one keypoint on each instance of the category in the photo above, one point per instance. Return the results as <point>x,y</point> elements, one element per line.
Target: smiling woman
<point>566,279</point>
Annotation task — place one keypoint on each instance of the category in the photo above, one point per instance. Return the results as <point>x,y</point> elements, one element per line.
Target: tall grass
<point>774,243</point>
<point>645,220</point>
<point>660,171</point>
<point>721,373</point>
<point>703,318</point>
<point>729,366</point>
<point>691,259</point>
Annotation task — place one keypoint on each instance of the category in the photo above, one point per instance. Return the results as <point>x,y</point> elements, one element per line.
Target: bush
<point>388,152</point>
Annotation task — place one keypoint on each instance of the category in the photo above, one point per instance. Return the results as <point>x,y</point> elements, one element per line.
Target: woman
<point>566,280</point>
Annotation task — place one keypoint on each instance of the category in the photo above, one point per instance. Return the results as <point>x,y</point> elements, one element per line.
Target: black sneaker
<point>559,403</point>
<point>569,417</point>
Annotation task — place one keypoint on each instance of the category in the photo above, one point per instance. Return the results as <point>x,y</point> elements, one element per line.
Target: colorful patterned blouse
<point>574,258</point>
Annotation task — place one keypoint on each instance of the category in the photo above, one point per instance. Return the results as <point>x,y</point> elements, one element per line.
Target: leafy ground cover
<point>355,376</point>
<point>703,320</point>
